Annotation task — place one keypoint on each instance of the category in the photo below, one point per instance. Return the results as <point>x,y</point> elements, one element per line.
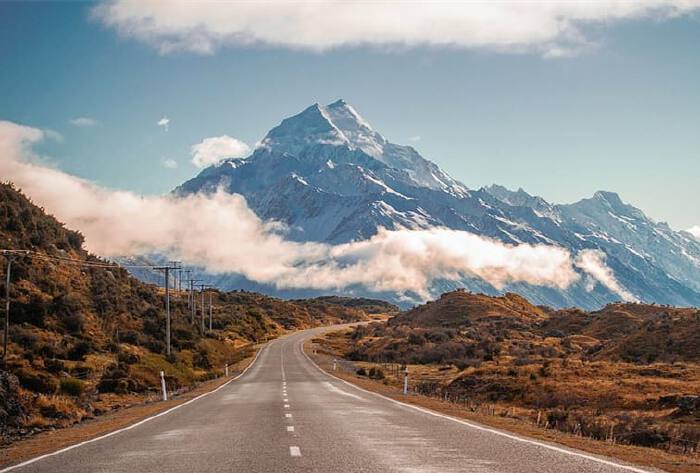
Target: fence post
<point>162,386</point>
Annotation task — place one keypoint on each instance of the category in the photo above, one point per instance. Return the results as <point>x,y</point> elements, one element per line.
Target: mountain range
<point>330,177</point>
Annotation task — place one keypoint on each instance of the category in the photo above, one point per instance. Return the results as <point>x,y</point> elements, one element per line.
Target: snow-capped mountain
<point>332,178</point>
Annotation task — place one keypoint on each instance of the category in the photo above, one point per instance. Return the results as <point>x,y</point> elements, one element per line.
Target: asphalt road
<point>284,414</point>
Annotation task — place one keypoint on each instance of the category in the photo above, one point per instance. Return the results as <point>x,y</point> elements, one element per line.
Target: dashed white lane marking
<point>286,406</point>
<point>290,428</point>
<point>286,400</point>
<point>295,451</point>
<point>288,415</point>
<point>284,375</point>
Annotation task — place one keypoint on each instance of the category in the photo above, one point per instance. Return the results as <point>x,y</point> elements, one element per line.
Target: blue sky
<point>621,115</point>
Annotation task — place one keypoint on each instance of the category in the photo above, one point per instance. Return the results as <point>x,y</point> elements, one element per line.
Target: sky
<point>527,101</point>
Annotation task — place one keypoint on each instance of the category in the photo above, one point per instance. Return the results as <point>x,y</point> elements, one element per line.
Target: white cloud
<point>169,163</point>
<point>695,231</point>
<point>212,150</point>
<point>164,123</point>
<point>553,28</point>
<point>220,233</point>
<point>593,263</point>
<point>414,138</point>
<point>84,122</point>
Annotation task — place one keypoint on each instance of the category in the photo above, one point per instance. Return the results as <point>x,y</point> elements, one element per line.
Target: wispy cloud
<point>552,28</point>
<point>593,263</point>
<point>212,150</point>
<point>414,138</point>
<point>164,123</point>
<point>169,163</point>
<point>84,122</point>
<point>219,232</point>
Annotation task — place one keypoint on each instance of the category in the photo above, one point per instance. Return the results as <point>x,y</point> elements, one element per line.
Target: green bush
<point>72,386</point>
<point>361,372</point>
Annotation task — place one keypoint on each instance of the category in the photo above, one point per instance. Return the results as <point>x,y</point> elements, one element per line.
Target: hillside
<point>629,369</point>
<point>85,336</point>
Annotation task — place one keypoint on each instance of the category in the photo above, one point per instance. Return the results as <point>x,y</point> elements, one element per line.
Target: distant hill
<point>462,327</point>
<point>84,333</point>
<point>463,308</point>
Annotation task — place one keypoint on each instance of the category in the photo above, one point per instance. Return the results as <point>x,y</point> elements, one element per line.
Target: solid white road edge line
<point>480,427</point>
<point>141,422</point>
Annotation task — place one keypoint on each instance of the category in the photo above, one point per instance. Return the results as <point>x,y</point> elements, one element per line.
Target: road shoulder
<point>643,457</point>
<point>52,441</point>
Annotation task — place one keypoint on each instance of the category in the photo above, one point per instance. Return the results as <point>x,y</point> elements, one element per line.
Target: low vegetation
<point>87,339</point>
<point>629,373</point>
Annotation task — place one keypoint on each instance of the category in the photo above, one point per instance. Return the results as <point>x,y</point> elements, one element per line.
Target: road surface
<point>285,415</point>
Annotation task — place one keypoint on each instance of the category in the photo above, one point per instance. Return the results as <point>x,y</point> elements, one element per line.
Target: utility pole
<point>193,304</point>
<point>173,265</point>
<point>6,330</point>
<point>9,256</point>
<point>189,293</point>
<point>202,290</point>
<point>210,310</point>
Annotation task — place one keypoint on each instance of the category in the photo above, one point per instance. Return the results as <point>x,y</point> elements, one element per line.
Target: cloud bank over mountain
<point>219,232</point>
<point>552,28</point>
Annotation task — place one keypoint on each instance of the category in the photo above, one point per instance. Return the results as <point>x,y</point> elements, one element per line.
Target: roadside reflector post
<point>335,365</point>
<point>405,382</point>
<point>226,369</point>
<point>162,386</point>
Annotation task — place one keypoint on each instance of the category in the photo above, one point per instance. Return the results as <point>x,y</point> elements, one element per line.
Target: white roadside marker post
<point>162,385</point>
<point>227,370</point>
<point>334,365</point>
<point>405,382</point>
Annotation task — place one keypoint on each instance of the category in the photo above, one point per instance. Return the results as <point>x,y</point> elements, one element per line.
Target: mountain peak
<point>335,124</point>
<point>608,196</point>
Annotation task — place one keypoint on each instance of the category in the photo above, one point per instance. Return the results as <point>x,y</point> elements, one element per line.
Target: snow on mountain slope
<point>331,178</point>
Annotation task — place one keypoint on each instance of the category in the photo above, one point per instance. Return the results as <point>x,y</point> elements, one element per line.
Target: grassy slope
<point>84,340</point>
<point>632,368</point>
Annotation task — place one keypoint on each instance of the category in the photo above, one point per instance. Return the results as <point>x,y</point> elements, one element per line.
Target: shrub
<point>78,351</point>
<point>72,386</point>
<point>114,380</point>
<point>376,373</point>
<point>129,336</point>
<point>37,382</point>
<point>54,366</point>
<point>74,323</point>
<point>127,358</point>
<point>415,338</point>
<point>200,359</point>
<point>361,372</point>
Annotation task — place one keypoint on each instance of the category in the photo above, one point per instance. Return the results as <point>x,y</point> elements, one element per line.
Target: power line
<point>62,259</point>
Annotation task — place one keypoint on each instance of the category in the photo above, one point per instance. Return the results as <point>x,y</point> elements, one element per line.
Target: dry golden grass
<point>610,390</point>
